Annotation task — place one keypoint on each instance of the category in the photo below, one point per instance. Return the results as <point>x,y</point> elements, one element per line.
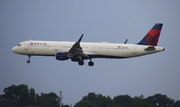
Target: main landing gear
<point>90,63</point>
<point>81,62</point>
<point>29,57</point>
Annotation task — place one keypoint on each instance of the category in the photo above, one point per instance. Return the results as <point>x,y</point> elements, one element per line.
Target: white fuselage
<point>99,50</point>
<point>79,51</point>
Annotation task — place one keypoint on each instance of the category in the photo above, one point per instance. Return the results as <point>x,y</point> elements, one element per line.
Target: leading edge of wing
<point>76,49</point>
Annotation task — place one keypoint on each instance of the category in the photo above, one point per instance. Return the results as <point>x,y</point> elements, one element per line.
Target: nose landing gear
<point>90,63</point>
<point>29,57</point>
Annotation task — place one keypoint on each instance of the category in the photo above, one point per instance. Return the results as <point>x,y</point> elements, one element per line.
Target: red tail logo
<point>152,36</point>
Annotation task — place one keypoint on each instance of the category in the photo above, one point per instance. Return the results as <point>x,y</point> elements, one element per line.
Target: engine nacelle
<point>62,56</point>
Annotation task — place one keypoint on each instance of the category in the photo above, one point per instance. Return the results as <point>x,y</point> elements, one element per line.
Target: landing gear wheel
<point>91,63</point>
<point>28,61</point>
<point>29,57</point>
<point>81,63</point>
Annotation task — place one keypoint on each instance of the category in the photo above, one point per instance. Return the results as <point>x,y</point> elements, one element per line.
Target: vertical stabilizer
<point>152,36</point>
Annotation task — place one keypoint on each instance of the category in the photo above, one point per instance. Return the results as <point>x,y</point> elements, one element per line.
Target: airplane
<point>79,51</point>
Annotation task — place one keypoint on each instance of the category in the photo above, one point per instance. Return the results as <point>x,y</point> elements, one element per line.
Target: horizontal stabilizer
<point>150,48</point>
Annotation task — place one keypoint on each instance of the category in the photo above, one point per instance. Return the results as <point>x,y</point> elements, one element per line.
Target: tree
<point>47,100</point>
<point>161,100</point>
<point>22,96</point>
<point>85,104</point>
<point>123,100</point>
<point>17,95</point>
<point>6,105</point>
<point>141,102</point>
<point>32,97</point>
<point>176,104</point>
<point>94,100</point>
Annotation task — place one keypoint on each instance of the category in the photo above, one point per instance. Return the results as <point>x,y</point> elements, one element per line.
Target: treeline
<point>22,96</point>
<point>98,100</point>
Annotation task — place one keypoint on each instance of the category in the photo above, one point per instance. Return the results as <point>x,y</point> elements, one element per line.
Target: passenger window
<point>19,45</point>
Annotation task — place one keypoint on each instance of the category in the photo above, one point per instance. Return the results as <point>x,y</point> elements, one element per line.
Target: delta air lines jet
<point>80,51</point>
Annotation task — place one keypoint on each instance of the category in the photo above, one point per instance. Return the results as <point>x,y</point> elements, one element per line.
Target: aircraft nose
<point>14,49</point>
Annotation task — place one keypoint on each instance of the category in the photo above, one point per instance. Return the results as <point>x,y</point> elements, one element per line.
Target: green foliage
<point>176,104</point>
<point>161,100</point>
<point>93,100</point>
<point>2,104</point>
<point>17,95</point>
<point>97,100</point>
<point>22,96</point>
<point>48,100</point>
<point>123,100</point>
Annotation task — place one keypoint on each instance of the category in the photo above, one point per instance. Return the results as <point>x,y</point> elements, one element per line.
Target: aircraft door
<point>27,47</point>
<point>56,47</point>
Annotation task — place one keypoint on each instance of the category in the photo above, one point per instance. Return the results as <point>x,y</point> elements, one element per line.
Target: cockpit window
<point>19,45</point>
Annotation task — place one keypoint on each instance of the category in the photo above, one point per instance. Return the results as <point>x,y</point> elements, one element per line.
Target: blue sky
<point>110,21</point>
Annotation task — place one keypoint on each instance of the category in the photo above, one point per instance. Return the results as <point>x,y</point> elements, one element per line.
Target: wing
<point>76,50</point>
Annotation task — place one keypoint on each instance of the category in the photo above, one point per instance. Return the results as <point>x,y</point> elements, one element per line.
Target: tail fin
<point>152,36</point>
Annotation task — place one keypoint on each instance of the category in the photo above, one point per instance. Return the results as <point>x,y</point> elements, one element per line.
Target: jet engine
<point>62,56</point>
